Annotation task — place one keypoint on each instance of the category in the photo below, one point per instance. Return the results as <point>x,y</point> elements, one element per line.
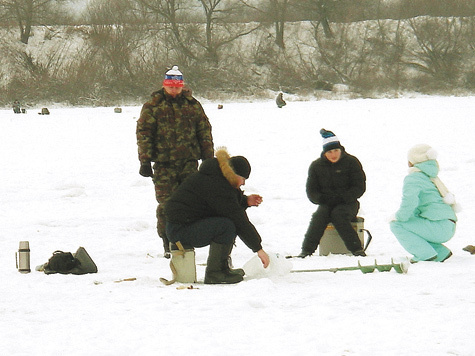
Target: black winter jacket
<point>331,184</point>
<point>208,193</point>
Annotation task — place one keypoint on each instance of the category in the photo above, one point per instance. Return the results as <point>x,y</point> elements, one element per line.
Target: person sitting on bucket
<point>209,208</point>
<point>335,182</point>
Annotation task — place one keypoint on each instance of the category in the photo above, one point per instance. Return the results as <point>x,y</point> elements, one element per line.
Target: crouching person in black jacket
<point>209,208</point>
<point>335,182</point>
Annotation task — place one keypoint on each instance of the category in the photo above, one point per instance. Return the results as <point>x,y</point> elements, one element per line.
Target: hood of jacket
<point>220,166</point>
<point>429,168</point>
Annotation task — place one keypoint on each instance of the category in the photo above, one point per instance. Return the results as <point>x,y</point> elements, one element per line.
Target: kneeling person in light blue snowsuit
<point>426,217</point>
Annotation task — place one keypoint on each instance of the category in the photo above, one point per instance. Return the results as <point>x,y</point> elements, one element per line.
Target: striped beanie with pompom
<point>330,140</point>
<point>173,78</point>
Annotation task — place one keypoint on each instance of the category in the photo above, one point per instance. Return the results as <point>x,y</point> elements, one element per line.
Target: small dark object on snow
<point>220,106</point>
<point>126,280</point>
<point>280,101</point>
<point>61,262</point>
<point>117,110</point>
<point>69,263</point>
<point>44,111</point>
<point>470,248</point>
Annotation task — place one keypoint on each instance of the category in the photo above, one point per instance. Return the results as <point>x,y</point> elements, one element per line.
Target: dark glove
<point>146,170</point>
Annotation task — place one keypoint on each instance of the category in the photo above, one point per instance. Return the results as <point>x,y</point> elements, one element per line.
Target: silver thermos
<point>23,257</point>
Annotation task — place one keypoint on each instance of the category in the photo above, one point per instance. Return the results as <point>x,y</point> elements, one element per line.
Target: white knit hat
<point>421,153</point>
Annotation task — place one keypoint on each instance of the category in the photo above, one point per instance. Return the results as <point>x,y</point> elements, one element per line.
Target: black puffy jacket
<point>208,193</point>
<point>335,183</point>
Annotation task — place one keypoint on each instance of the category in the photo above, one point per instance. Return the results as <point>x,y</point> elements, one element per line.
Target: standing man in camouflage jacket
<point>174,132</point>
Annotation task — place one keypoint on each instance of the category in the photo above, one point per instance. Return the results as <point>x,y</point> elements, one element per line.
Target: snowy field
<point>71,179</point>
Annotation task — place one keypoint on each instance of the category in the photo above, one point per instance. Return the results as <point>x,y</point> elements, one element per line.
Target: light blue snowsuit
<point>423,221</point>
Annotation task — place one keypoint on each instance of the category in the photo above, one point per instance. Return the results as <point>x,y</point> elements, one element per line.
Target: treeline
<point>117,51</point>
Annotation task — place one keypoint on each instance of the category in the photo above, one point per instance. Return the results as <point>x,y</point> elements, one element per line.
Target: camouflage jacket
<point>172,129</point>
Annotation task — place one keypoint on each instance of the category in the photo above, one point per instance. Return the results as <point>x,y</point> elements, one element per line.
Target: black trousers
<point>341,216</point>
<point>202,232</point>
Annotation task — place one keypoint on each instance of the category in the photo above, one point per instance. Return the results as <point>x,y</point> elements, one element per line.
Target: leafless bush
<point>439,51</point>
<point>341,58</point>
<point>121,57</point>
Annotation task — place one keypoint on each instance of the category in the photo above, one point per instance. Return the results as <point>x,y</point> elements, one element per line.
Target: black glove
<point>146,170</point>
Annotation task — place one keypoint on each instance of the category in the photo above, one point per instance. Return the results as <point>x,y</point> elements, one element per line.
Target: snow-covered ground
<point>71,179</point>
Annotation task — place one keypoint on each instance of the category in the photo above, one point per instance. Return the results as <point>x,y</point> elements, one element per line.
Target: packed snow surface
<point>71,179</point>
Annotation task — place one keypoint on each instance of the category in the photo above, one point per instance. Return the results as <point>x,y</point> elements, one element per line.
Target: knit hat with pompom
<point>421,153</point>
<point>330,141</point>
<point>173,78</point>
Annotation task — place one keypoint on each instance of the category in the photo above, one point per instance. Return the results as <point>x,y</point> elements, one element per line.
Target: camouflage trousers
<point>167,176</point>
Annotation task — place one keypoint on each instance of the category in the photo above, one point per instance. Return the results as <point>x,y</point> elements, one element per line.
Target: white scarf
<point>447,196</point>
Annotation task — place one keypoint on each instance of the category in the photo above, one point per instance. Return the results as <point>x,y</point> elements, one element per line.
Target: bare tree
<point>220,29</point>
<point>346,57</point>
<point>278,11</point>
<point>114,36</point>
<point>170,12</point>
<point>274,11</point>
<point>319,11</point>
<point>440,45</point>
<point>27,13</point>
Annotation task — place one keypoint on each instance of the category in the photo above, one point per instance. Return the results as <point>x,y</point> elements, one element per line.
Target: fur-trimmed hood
<point>223,158</point>
<point>220,165</point>
<point>231,168</point>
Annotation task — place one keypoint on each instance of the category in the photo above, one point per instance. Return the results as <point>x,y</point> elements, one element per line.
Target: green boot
<point>217,266</point>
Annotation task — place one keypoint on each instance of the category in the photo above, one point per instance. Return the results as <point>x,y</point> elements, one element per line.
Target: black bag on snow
<point>68,263</point>
<point>61,262</point>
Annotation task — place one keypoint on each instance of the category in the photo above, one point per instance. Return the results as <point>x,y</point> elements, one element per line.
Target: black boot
<point>166,247</point>
<point>359,253</point>
<point>304,254</point>
<point>229,264</point>
<point>217,266</point>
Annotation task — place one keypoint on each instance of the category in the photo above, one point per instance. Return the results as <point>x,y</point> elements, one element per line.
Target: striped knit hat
<point>173,78</point>
<point>330,141</point>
